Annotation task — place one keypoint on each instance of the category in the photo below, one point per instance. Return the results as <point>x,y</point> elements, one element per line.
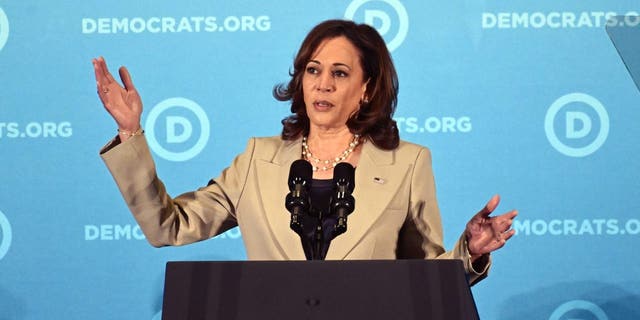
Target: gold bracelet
<point>138,132</point>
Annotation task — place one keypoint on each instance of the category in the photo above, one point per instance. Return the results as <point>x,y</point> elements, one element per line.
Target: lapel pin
<point>378,180</point>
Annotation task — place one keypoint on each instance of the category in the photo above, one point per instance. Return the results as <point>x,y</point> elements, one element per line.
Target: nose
<point>326,83</point>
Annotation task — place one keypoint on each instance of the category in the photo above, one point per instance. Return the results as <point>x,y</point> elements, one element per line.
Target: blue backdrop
<point>527,99</point>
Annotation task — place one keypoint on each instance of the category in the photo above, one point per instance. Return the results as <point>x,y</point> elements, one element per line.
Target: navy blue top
<point>316,241</point>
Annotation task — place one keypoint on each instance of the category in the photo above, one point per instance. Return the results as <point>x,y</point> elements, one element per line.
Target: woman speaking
<point>343,92</point>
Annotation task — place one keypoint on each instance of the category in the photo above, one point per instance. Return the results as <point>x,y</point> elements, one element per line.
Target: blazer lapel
<point>273,188</point>
<point>376,183</point>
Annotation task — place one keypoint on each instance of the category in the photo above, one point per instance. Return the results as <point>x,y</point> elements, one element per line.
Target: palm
<point>122,105</point>
<point>122,102</point>
<point>486,234</point>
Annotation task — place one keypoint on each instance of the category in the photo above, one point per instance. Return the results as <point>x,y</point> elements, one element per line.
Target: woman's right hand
<point>122,103</point>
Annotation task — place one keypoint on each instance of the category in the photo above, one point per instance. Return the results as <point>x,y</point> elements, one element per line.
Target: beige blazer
<point>396,214</point>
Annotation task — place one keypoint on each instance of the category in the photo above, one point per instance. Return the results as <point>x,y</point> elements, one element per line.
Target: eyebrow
<point>335,64</point>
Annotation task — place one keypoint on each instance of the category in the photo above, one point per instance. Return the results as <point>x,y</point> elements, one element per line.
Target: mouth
<point>322,104</point>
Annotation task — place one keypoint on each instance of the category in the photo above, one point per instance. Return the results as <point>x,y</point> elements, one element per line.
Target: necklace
<point>324,165</point>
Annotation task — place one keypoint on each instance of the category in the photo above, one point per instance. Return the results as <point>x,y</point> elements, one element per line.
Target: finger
<point>125,76</point>
<point>507,225</point>
<point>506,216</point>
<point>501,239</point>
<point>126,79</point>
<point>101,82</point>
<point>488,244</point>
<point>489,207</point>
<point>101,93</point>
<point>99,74</point>
<point>509,215</point>
<point>499,227</point>
<point>102,67</point>
<point>507,235</point>
<point>105,70</point>
<point>503,222</point>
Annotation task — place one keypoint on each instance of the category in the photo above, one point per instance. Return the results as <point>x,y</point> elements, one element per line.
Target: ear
<point>365,96</point>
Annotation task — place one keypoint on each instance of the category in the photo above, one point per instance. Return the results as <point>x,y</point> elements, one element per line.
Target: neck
<point>326,144</point>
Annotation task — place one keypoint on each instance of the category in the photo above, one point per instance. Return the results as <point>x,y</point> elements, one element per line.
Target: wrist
<point>472,255</point>
<point>475,257</point>
<point>126,134</point>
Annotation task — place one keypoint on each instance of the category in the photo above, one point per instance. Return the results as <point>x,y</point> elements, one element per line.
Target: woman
<point>343,94</point>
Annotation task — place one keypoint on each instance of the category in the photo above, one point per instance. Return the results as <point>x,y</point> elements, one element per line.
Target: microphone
<point>343,202</point>
<point>297,201</point>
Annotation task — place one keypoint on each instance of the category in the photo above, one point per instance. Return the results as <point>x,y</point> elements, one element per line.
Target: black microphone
<point>297,201</point>
<point>343,202</point>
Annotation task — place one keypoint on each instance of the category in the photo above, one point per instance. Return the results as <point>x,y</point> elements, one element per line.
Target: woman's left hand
<point>486,234</point>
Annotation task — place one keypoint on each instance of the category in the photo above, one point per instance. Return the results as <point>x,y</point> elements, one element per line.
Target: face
<point>333,84</point>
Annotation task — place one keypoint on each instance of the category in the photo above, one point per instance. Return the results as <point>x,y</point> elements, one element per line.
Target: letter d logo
<point>176,129</point>
<point>383,20</point>
<point>184,128</point>
<point>4,28</point>
<point>574,118</point>
<point>5,235</point>
<point>587,309</point>
<point>578,140</point>
<point>370,17</point>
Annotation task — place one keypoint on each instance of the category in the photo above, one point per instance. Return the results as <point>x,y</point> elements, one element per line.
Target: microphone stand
<point>319,238</point>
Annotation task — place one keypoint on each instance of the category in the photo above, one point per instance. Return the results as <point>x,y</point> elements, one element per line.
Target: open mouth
<point>322,104</point>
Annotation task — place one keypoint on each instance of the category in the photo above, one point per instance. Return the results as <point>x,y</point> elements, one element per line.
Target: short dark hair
<point>374,119</point>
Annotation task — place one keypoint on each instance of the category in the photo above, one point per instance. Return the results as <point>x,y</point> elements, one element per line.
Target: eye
<point>311,70</point>
<point>340,74</point>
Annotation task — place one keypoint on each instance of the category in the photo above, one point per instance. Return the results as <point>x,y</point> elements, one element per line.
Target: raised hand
<point>486,234</point>
<point>122,103</point>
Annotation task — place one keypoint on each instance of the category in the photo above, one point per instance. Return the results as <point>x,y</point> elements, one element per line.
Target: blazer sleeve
<point>188,218</point>
<point>421,235</point>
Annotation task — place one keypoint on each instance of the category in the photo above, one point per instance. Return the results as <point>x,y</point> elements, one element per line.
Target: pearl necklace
<point>324,165</point>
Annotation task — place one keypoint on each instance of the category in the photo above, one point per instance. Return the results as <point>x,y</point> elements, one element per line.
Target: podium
<point>328,290</point>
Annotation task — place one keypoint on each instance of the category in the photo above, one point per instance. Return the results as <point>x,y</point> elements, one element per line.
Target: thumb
<point>126,79</point>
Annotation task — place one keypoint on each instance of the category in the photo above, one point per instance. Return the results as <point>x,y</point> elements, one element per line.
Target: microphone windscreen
<point>344,173</point>
<point>300,170</point>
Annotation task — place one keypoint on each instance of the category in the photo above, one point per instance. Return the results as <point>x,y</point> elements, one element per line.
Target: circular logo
<point>4,28</point>
<point>5,235</point>
<point>371,15</point>
<point>572,308</point>
<point>179,129</point>
<point>578,125</point>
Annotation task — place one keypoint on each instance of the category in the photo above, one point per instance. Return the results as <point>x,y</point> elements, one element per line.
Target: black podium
<point>328,290</point>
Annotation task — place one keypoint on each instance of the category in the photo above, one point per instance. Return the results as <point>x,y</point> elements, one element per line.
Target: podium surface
<point>379,289</point>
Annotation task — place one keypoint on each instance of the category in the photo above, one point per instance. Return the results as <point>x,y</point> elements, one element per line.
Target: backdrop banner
<point>527,99</point>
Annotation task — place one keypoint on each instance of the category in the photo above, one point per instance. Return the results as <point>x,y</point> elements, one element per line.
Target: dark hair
<point>374,119</point>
